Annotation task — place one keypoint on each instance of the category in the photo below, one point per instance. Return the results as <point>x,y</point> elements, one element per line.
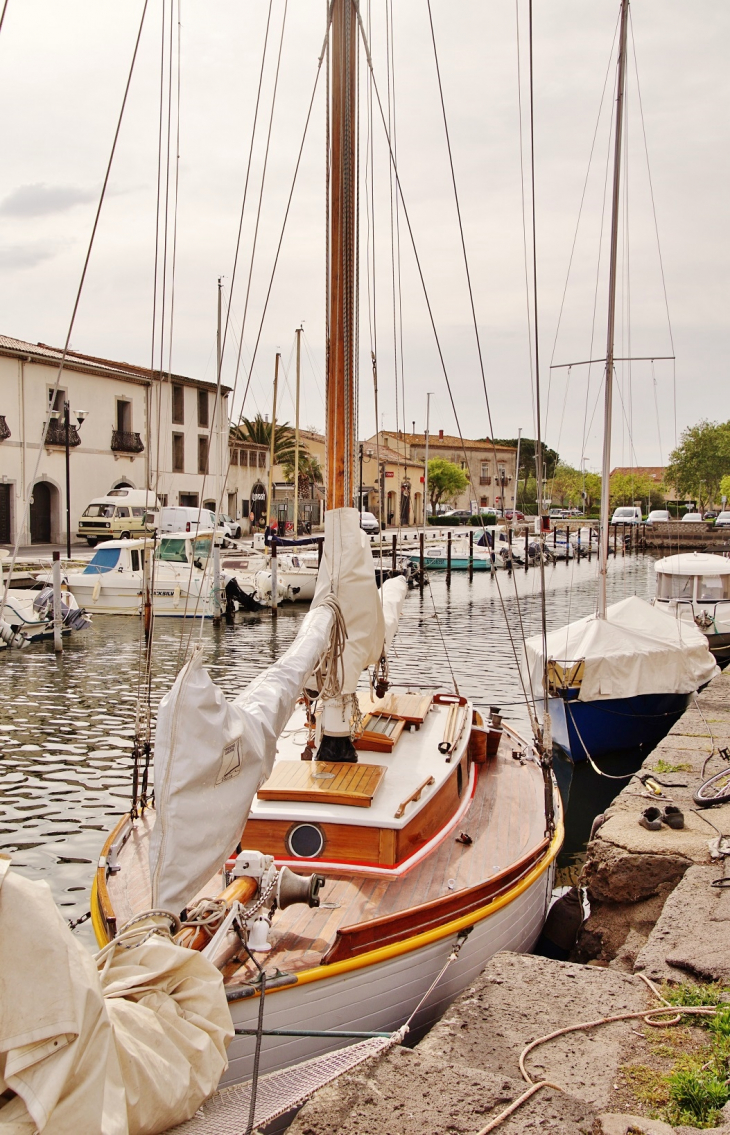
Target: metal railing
<point>56,434</point>
<point>124,441</point>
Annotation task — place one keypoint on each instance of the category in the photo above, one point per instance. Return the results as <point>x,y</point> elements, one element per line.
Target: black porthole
<point>306,841</point>
<point>459,780</point>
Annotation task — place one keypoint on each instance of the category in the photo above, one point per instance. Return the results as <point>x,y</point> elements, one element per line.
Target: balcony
<point>123,441</point>
<point>4,429</point>
<point>56,434</point>
<point>485,480</point>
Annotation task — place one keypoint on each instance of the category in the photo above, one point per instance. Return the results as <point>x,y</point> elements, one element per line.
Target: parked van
<point>180,518</point>
<point>117,516</point>
<point>627,514</point>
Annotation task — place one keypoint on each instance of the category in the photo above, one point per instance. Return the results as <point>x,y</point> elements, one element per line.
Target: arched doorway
<point>258,503</point>
<point>40,513</point>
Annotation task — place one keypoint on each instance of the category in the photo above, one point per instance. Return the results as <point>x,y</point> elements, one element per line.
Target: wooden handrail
<point>414,796</point>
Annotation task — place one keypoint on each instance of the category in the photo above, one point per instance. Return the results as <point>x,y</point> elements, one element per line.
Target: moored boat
<point>695,586</point>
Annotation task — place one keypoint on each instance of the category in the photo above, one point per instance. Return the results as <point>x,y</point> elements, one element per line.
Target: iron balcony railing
<point>124,441</point>
<point>4,428</point>
<point>56,434</point>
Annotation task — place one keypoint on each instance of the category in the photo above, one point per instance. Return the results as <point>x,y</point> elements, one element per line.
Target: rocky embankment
<point>654,911</point>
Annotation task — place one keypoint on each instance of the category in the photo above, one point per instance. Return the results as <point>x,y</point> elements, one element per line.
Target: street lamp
<point>80,416</point>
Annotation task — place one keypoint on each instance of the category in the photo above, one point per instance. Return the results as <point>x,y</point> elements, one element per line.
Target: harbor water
<point>67,723</point>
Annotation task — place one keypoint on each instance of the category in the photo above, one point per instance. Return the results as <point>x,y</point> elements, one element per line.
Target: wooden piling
<point>471,554</point>
<point>421,558</point>
<point>448,557</point>
<point>394,556</point>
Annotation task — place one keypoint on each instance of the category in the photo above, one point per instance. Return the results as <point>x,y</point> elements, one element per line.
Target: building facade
<point>393,491</point>
<point>491,469</point>
<point>128,427</point>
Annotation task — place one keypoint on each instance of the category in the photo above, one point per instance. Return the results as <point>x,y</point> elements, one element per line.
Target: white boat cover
<point>636,649</point>
<point>212,755</point>
<point>347,571</point>
<point>137,1052</point>
<point>392,594</point>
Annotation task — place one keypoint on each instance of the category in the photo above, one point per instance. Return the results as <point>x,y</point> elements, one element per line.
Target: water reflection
<point>67,724</point>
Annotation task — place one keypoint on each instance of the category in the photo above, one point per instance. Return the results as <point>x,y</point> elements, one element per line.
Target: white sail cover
<point>347,571</point>
<point>636,649</point>
<point>211,756</point>
<point>392,594</point>
<point>138,1051</point>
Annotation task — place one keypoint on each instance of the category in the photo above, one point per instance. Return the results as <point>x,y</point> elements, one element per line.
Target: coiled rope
<point>329,673</point>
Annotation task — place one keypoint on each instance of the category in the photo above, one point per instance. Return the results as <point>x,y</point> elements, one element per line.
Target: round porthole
<point>306,841</point>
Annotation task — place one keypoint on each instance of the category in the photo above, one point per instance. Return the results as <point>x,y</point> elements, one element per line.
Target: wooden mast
<point>341,417</point>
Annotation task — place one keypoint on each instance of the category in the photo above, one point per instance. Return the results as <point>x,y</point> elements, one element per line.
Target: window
<point>713,588</point>
<point>188,500</point>
<point>178,453</point>
<point>674,586</point>
<point>135,559</point>
<point>105,559</point>
<point>122,510</point>
<point>178,405</point>
<point>243,457</point>
<point>163,499</point>
<point>202,454</point>
<point>483,502</point>
<point>203,408</point>
<point>56,403</point>
<point>245,508</point>
<point>124,416</point>
<point>484,469</point>
<point>262,460</point>
<point>234,457</point>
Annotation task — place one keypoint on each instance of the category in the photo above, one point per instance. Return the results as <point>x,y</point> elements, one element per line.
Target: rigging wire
<point>52,393</point>
<point>2,14</point>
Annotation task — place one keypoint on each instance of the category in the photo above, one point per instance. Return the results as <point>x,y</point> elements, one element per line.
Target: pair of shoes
<point>652,818</point>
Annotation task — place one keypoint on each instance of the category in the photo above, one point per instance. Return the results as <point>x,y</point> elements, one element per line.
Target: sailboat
<point>621,678</point>
<point>427,837</point>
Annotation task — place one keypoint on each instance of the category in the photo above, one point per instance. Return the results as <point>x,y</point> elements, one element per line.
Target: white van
<point>627,514</point>
<point>180,518</point>
<point>117,516</point>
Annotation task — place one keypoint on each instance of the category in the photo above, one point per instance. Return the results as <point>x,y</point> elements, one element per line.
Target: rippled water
<point>67,724</point>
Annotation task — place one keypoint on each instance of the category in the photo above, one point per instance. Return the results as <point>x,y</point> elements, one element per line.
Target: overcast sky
<point>63,66</point>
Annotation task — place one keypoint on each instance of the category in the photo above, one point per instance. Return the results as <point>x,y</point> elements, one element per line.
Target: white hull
<point>117,599</point>
<point>380,997</point>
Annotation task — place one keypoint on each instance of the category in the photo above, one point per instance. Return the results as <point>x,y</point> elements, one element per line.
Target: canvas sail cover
<point>636,649</point>
<point>347,571</point>
<point>212,755</point>
<point>137,1051</point>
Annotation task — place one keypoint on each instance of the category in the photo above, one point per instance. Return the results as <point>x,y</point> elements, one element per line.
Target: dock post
<point>395,560</point>
<point>320,550</point>
<point>57,616</point>
<point>216,585</point>
<point>527,547</point>
<point>448,557</point>
<point>421,559</point>
<point>471,554</point>
<point>578,543</point>
<point>615,534</point>
<point>274,580</point>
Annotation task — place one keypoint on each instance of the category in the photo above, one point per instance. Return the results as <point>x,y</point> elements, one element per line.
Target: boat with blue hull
<point>602,728</point>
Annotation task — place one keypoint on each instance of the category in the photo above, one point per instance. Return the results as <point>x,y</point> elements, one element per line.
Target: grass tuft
<point>696,1096</point>
<point>665,766</point>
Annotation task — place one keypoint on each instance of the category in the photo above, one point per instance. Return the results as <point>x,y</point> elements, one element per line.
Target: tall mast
<point>272,441</point>
<point>343,182</point>
<point>608,401</point>
<point>296,435</point>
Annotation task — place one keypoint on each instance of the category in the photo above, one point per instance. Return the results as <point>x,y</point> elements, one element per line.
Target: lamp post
<point>80,416</point>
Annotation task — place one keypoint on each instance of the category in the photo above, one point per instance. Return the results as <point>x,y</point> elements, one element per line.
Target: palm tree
<point>310,472</point>
<point>259,431</point>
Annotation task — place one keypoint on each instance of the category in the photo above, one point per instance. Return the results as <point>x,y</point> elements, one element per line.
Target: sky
<point>63,69</point>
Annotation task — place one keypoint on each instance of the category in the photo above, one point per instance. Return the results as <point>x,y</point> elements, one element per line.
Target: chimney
<point>441,435</point>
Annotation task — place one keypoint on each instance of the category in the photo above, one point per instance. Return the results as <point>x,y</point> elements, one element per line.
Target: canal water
<point>67,724</point>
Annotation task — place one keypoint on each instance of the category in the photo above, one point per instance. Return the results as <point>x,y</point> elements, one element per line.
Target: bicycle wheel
<point>716,790</point>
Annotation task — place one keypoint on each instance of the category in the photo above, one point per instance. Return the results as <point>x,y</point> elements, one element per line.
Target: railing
<point>56,434</point>
<point>485,480</point>
<point>4,428</point>
<point>123,441</point>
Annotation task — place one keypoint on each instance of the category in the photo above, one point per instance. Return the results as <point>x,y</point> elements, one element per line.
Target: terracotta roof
<point>448,440</point>
<point>655,472</point>
<point>393,457</point>
<point>42,352</point>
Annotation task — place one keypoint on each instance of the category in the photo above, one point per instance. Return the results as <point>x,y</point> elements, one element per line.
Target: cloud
<point>18,256</point>
<point>41,200</point>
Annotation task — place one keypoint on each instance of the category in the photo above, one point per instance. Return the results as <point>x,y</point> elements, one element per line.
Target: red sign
<point>422,480</point>
<point>389,473</point>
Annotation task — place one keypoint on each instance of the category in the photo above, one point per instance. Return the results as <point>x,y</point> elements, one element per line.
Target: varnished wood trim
<point>105,920</point>
<point>379,932</point>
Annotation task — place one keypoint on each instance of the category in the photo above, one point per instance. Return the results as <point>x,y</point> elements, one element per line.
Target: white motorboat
<point>696,587</point>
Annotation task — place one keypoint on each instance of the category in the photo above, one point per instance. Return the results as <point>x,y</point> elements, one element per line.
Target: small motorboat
<point>695,586</point>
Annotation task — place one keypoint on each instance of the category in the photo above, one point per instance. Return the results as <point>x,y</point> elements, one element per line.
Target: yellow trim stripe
<point>100,932</point>
<point>385,953</point>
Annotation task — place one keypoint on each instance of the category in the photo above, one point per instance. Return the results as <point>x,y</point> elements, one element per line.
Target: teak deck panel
<point>505,821</point>
<point>354,784</point>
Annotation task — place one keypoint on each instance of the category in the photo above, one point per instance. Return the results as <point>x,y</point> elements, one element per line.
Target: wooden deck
<point>359,911</point>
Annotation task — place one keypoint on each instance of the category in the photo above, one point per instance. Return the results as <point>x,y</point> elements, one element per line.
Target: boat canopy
<point>636,649</point>
<point>693,563</point>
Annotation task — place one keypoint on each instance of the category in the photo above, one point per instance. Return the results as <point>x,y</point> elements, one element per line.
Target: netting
<point>226,1113</point>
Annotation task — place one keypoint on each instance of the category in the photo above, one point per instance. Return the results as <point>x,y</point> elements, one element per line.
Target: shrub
<point>697,1094</point>
<point>482,519</point>
<point>446,521</point>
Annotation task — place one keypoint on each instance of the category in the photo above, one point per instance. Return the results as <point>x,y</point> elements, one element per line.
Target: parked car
<point>513,514</point>
<point>233,526</point>
<point>559,513</point>
<point>658,516</point>
<point>183,518</point>
<point>462,513</point>
<point>369,524</point>
<point>121,514</point>
<point>723,520</point>
<point>693,517</point>
<point>710,515</point>
<point>627,514</point>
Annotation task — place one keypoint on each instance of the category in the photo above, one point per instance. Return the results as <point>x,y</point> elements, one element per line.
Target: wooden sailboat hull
<point>378,992</point>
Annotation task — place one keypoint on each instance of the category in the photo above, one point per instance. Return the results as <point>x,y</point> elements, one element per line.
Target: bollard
<point>57,616</point>
<point>421,565</point>
<point>527,547</point>
<point>274,580</point>
<point>448,557</point>
<point>578,543</point>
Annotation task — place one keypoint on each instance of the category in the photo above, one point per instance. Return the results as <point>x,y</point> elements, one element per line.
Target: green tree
<point>258,430</point>
<point>700,461</point>
<point>445,481</point>
<point>528,465</point>
<point>625,488</point>
<point>566,486</point>
<point>725,486</point>
<point>310,472</point>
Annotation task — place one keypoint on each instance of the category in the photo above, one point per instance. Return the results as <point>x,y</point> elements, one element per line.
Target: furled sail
<point>636,649</point>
